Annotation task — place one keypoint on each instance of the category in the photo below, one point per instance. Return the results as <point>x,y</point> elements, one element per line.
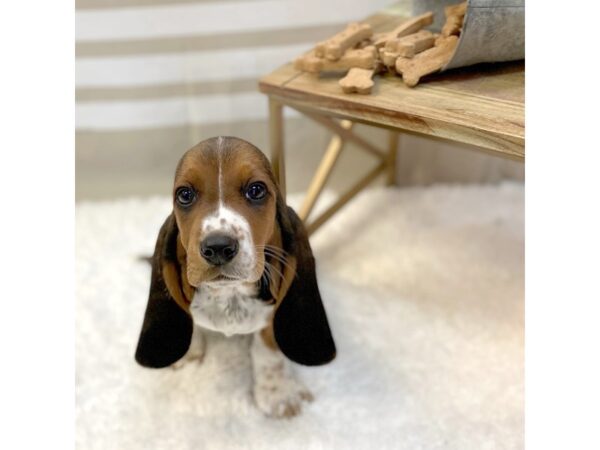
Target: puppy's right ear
<point>167,329</point>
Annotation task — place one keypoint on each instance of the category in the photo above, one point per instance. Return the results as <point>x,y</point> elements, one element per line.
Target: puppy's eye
<point>256,191</point>
<point>185,196</point>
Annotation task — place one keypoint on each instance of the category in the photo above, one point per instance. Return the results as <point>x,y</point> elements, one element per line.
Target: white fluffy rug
<point>424,292</point>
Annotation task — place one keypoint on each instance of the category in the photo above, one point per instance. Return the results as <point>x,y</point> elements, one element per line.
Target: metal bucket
<point>493,30</point>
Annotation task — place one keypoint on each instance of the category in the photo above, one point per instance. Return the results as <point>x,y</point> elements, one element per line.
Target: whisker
<point>281,259</point>
<point>275,249</point>
<point>278,254</point>
<point>274,269</point>
<point>272,251</point>
<point>270,269</point>
<point>266,276</point>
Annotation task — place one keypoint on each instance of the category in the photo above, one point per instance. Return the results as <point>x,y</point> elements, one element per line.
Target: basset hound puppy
<point>232,257</point>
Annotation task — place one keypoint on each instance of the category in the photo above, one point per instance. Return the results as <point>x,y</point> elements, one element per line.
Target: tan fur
<point>187,288</point>
<point>275,283</point>
<point>199,168</point>
<point>173,281</point>
<point>288,276</point>
<point>278,290</point>
<point>278,287</point>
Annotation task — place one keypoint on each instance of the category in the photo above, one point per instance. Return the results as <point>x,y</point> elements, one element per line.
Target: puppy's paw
<point>281,397</point>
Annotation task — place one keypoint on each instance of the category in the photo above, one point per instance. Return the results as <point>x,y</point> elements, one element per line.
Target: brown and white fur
<point>233,258</point>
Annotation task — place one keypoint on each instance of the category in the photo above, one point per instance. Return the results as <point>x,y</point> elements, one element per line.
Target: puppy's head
<point>230,224</point>
<point>224,202</point>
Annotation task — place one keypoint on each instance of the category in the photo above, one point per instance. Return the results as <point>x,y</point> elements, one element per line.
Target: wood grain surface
<point>481,105</point>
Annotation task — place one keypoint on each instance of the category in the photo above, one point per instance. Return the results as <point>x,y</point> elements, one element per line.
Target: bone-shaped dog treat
<point>402,64</point>
<point>393,44</point>
<point>359,57</point>
<point>452,26</point>
<point>334,47</point>
<point>408,46</point>
<point>364,43</point>
<point>358,80</point>
<point>410,26</point>
<point>388,58</point>
<point>427,62</point>
<point>394,61</point>
<point>379,39</point>
<point>410,49</point>
<point>309,63</point>
<point>456,10</point>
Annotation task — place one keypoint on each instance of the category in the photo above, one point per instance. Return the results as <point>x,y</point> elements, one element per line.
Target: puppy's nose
<point>218,249</point>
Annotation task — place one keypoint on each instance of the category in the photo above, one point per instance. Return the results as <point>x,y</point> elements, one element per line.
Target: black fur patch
<point>167,329</point>
<point>300,324</point>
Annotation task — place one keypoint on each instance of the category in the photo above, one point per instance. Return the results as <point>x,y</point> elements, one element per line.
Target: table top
<point>483,105</point>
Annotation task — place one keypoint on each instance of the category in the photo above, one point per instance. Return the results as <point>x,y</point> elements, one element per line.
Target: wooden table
<point>482,105</point>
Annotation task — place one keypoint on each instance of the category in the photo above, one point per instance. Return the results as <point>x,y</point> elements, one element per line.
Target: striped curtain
<point>154,77</point>
<point>150,64</point>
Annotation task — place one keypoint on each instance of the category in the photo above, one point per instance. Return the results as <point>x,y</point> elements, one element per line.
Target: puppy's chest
<point>230,309</point>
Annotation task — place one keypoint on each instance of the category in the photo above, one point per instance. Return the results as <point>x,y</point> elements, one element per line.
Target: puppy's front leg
<point>276,392</point>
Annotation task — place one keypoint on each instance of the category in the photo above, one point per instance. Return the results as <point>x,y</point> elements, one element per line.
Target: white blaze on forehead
<point>228,221</point>
<point>219,163</point>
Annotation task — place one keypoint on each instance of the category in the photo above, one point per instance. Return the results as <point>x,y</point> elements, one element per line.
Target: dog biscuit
<point>452,26</point>
<point>456,10</point>
<point>409,27</point>
<point>358,80</point>
<point>402,63</point>
<point>333,48</point>
<point>412,44</point>
<point>363,58</point>
<point>427,62</point>
<point>388,58</point>
<point>364,43</point>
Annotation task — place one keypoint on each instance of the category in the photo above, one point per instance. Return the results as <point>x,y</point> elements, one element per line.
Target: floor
<point>425,300</point>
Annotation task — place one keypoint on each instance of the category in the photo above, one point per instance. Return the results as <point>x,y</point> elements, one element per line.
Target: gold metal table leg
<point>342,133</point>
<point>345,198</point>
<point>346,134</point>
<point>277,143</point>
<point>334,149</point>
<point>392,157</point>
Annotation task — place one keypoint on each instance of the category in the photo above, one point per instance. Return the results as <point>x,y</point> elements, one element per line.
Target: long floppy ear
<point>300,324</point>
<point>167,329</point>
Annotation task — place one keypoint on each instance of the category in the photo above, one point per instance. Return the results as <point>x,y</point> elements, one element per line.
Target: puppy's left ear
<point>167,329</point>
<point>300,323</point>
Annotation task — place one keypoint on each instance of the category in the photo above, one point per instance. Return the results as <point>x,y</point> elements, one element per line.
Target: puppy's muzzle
<point>219,249</point>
